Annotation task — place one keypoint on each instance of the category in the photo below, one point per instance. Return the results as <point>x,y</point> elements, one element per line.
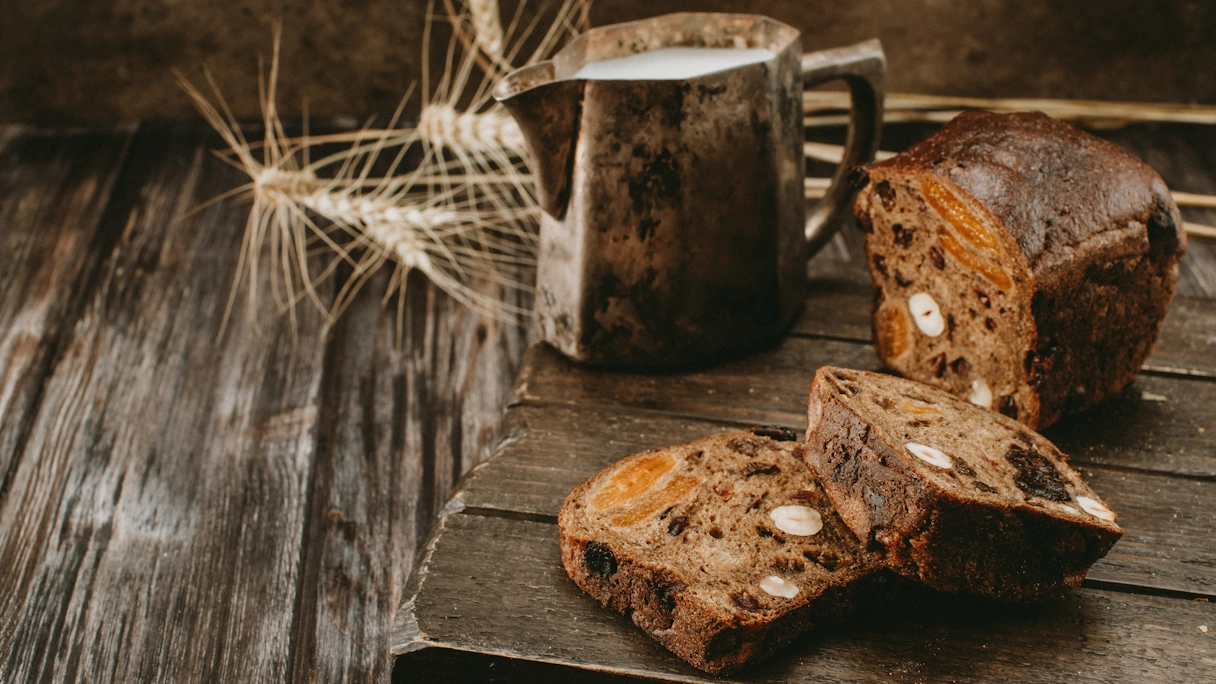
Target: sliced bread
<point>958,497</point>
<point>723,549</point>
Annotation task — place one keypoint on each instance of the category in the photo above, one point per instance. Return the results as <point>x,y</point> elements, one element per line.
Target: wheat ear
<point>467,212</point>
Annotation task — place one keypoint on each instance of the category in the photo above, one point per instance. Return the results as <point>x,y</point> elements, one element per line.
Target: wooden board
<point>178,506</point>
<point>527,611</point>
<point>491,601</point>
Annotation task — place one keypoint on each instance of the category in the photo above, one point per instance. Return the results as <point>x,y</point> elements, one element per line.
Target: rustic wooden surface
<point>177,507</point>
<point>491,601</point>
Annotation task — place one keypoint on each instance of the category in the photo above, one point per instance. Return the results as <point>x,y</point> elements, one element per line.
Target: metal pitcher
<point>675,230</point>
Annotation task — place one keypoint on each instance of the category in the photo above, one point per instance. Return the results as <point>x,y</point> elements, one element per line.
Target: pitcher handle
<point>863,68</point>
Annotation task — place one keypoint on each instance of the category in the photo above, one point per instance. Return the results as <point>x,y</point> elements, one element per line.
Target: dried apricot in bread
<point>722,549</point>
<point>958,497</point>
<point>1019,263</point>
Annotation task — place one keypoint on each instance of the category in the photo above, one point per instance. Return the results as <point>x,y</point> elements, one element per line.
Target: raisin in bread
<point>722,549</point>
<point>958,497</point>
<point>1019,262</point>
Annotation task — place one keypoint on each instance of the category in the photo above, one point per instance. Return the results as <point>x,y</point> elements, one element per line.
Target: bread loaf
<point>722,549</point>
<point>1019,262</point>
<point>958,497</point>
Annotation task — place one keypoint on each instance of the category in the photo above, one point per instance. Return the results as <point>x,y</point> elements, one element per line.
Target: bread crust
<point>1098,239</point>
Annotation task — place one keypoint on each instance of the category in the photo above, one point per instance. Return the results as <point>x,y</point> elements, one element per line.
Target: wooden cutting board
<point>490,600</point>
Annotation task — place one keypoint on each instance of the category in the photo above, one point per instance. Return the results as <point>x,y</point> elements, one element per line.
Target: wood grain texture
<point>535,613</point>
<point>400,423</point>
<point>1162,424</point>
<point>774,383</point>
<point>153,524</point>
<point>177,507</point>
<point>53,190</point>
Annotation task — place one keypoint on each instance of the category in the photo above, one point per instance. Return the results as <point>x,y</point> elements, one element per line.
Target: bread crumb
<point>1203,628</point>
<point>1149,396</point>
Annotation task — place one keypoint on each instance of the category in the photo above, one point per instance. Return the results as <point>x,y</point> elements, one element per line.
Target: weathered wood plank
<point>152,527</point>
<point>399,424</point>
<point>1187,345</point>
<point>1162,424</point>
<point>53,189</point>
<point>766,387</point>
<point>534,613</point>
<point>1166,520</point>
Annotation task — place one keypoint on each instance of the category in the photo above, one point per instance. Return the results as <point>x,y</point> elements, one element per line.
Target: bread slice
<point>722,549</point>
<point>1019,262</point>
<point>958,497</point>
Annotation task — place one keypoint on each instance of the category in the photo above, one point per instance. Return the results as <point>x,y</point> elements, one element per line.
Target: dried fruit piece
<point>600,559</point>
<point>759,468</point>
<point>1009,406</point>
<point>937,258</point>
<point>803,495</point>
<point>746,445</point>
<point>1036,475</point>
<point>677,525</point>
<point>745,601</point>
<point>894,332</point>
<point>675,489</point>
<point>938,364</point>
<point>973,262</point>
<point>632,480</point>
<point>789,565</point>
<point>828,560</point>
<point>919,408</point>
<point>960,366</point>
<point>903,236</point>
<point>886,194</point>
<point>969,228</point>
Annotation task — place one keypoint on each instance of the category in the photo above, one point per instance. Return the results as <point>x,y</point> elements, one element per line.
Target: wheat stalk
<point>904,107</point>
<point>467,212</point>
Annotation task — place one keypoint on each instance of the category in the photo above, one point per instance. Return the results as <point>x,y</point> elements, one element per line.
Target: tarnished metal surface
<point>674,225</point>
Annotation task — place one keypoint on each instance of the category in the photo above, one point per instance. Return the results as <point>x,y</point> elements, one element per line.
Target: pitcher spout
<point>547,110</point>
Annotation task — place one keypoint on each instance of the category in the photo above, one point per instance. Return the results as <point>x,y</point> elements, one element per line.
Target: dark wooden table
<point>179,506</point>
